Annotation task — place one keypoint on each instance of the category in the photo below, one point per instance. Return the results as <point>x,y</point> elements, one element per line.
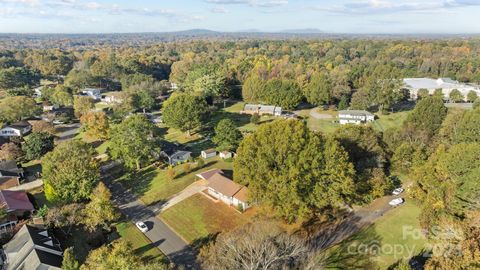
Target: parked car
<point>142,227</point>
<point>397,191</point>
<point>396,202</point>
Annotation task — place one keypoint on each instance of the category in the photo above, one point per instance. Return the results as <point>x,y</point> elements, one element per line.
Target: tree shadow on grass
<point>239,120</point>
<point>195,169</point>
<point>139,182</point>
<point>198,243</point>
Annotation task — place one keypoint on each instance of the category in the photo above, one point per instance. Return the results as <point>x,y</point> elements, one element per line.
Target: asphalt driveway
<point>174,247</point>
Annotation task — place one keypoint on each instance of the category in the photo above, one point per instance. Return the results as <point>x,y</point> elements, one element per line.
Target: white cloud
<point>219,10</point>
<point>393,6</point>
<point>252,3</point>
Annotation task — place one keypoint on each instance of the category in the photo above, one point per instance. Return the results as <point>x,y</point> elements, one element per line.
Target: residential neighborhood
<point>132,138</point>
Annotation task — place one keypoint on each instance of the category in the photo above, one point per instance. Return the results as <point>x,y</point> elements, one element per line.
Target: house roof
<point>355,112</point>
<point>207,174</point>
<point>19,125</point>
<point>8,182</point>
<point>15,200</point>
<point>209,151</point>
<point>225,186</point>
<point>428,83</point>
<point>10,168</point>
<point>242,194</point>
<point>33,248</point>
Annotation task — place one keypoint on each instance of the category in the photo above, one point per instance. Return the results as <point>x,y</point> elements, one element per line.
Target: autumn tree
<point>185,112</point>
<point>96,125</point>
<point>252,89</point>
<point>227,136</point>
<point>288,167</point>
<point>99,212</point>
<point>43,126</point>
<point>133,141</point>
<point>37,145</point>
<point>69,261</point>
<point>259,245</point>
<point>10,151</point>
<point>119,255</point>
<point>70,172</point>
<point>82,105</point>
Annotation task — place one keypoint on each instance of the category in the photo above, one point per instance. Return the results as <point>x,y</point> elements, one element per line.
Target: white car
<point>142,227</point>
<point>397,191</point>
<point>396,202</point>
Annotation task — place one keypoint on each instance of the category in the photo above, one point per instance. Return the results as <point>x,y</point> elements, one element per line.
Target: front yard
<point>140,243</point>
<point>395,236</point>
<point>199,218</point>
<point>152,185</point>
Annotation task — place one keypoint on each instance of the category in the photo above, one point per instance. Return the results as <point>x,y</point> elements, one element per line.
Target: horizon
<point>411,17</point>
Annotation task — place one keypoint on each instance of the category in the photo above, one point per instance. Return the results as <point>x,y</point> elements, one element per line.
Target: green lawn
<point>140,243</point>
<point>396,234</point>
<point>328,126</point>
<point>152,185</point>
<point>198,218</point>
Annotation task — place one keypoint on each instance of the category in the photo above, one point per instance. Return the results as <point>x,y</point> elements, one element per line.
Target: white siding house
<point>355,117</point>
<point>262,109</point>
<point>16,130</point>
<point>94,93</point>
<point>209,153</point>
<point>227,191</point>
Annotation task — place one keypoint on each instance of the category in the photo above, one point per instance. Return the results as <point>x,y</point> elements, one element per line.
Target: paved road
<point>176,249</point>
<point>68,131</point>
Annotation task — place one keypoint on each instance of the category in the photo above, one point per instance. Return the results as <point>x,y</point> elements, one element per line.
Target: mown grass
<point>151,184</point>
<point>198,217</point>
<point>395,236</point>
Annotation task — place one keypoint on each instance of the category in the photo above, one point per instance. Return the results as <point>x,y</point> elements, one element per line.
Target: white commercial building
<point>446,84</point>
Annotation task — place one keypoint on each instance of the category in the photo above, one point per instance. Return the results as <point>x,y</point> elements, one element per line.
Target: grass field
<point>141,245</point>
<point>395,236</point>
<point>152,185</point>
<point>328,126</point>
<point>198,218</point>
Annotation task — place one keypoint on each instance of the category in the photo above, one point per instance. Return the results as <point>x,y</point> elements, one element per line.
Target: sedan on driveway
<point>396,202</point>
<point>397,191</point>
<point>142,227</point>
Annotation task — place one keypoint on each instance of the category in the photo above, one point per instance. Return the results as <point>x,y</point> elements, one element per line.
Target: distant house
<point>355,117</point>
<point>18,129</point>
<point>209,153</point>
<point>226,154</point>
<point>47,107</point>
<point>447,85</point>
<point>261,109</point>
<point>32,248</point>
<point>94,93</point>
<point>174,154</point>
<point>229,192</point>
<point>113,97</point>
<point>10,168</point>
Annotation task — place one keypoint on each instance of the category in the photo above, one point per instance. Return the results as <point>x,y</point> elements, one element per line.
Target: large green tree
<point>15,77</point>
<point>290,168</point>
<point>227,136</point>
<point>133,141</point>
<point>17,108</point>
<point>100,212</point>
<point>318,89</point>
<point>428,115</point>
<point>37,144</point>
<point>468,129</point>
<point>70,172</point>
<point>185,112</point>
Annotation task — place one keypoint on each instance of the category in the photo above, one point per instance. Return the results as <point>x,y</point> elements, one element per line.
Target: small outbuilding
<point>209,153</point>
<point>226,154</point>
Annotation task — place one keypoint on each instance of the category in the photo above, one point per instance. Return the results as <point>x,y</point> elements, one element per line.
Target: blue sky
<point>333,16</point>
